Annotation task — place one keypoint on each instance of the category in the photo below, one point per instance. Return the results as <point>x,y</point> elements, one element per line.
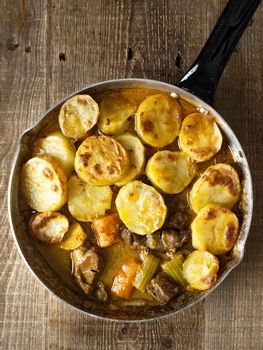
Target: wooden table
<point>49,48</point>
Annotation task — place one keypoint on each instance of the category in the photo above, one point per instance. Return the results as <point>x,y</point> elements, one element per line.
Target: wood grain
<point>49,48</point>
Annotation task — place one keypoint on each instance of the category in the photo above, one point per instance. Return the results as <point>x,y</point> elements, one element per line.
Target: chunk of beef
<point>179,220</point>
<point>173,239</point>
<point>137,241</point>
<point>101,293</point>
<point>85,267</point>
<point>163,288</point>
<point>154,241</point>
<point>126,235</point>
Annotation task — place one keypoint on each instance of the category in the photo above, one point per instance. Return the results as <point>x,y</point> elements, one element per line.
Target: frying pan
<point>197,86</point>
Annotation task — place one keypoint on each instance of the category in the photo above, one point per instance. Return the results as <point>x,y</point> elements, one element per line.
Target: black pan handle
<point>203,76</point>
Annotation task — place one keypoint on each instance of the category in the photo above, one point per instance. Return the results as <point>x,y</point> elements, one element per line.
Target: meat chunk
<point>172,239</point>
<point>126,235</point>
<point>85,267</point>
<point>137,241</point>
<point>154,241</point>
<point>101,293</point>
<point>163,288</point>
<point>179,220</point>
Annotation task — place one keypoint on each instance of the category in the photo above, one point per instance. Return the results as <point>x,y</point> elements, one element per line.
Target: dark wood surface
<point>49,48</point>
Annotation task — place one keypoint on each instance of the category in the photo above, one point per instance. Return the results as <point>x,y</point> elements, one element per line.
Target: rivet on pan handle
<point>202,77</point>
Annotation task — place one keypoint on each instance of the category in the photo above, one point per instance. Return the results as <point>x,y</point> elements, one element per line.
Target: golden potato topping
<point>214,229</point>
<point>136,152</point>
<point>116,114</point>
<point>218,185</point>
<point>44,184</point>
<point>77,116</point>
<point>58,147</point>
<point>171,172</point>
<point>101,160</point>
<point>200,137</point>
<point>141,207</point>
<point>86,202</point>
<point>200,269</point>
<point>74,237</point>
<point>158,120</point>
<point>48,227</point>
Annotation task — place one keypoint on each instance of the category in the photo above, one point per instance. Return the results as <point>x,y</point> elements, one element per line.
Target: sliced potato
<point>214,229</point>
<point>141,207</point>
<point>101,160</point>
<point>116,114</point>
<point>158,120</point>
<point>77,116</point>
<point>58,147</point>
<point>43,184</point>
<point>86,202</point>
<point>169,171</point>
<point>48,227</point>
<point>218,185</point>
<point>200,269</point>
<point>136,152</point>
<point>200,137</point>
<point>107,230</point>
<point>74,237</point>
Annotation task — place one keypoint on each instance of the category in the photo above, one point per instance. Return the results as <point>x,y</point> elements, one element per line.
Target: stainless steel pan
<point>198,86</point>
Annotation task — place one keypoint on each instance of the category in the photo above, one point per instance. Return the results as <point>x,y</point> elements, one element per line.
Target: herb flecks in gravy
<point>148,184</point>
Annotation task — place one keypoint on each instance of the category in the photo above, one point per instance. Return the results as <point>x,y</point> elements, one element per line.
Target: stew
<point>133,197</point>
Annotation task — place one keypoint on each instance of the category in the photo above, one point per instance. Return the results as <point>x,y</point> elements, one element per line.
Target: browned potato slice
<point>116,114</point>
<point>200,269</point>
<point>218,185</point>
<point>214,229</point>
<point>77,116</point>
<point>136,152</point>
<point>44,184</point>
<point>141,207</point>
<point>48,227</point>
<point>60,148</point>
<point>158,120</point>
<point>200,137</point>
<point>74,238</point>
<point>101,160</point>
<point>87,202</point>
<point>169,171</point>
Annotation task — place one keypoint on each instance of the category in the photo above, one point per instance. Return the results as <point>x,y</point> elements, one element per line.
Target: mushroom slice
<point>59,147</point>
<point>86,202</point>
<point>44,184</point>
<point>219,184</point>
<point>141,207</point>
<point>200,137</point>
<point>101,160</point>
<point>158,120</point>
<point>169,171</point>
<point>77,116</point>
<point>48,227</point>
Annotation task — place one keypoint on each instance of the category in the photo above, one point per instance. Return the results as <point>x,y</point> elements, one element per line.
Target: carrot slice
<point>106,230</point>
<point>123,282</point>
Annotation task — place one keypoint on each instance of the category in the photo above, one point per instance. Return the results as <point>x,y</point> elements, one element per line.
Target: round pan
<point>198,87</point>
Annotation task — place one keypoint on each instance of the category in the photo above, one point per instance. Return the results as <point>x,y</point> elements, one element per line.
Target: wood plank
<point>49,49</point>
<point>239,301</point>
<point>23,99</point>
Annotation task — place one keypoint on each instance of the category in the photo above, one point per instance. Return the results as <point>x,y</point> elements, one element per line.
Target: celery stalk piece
<point>146,272</point>
<point>173,268</point>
